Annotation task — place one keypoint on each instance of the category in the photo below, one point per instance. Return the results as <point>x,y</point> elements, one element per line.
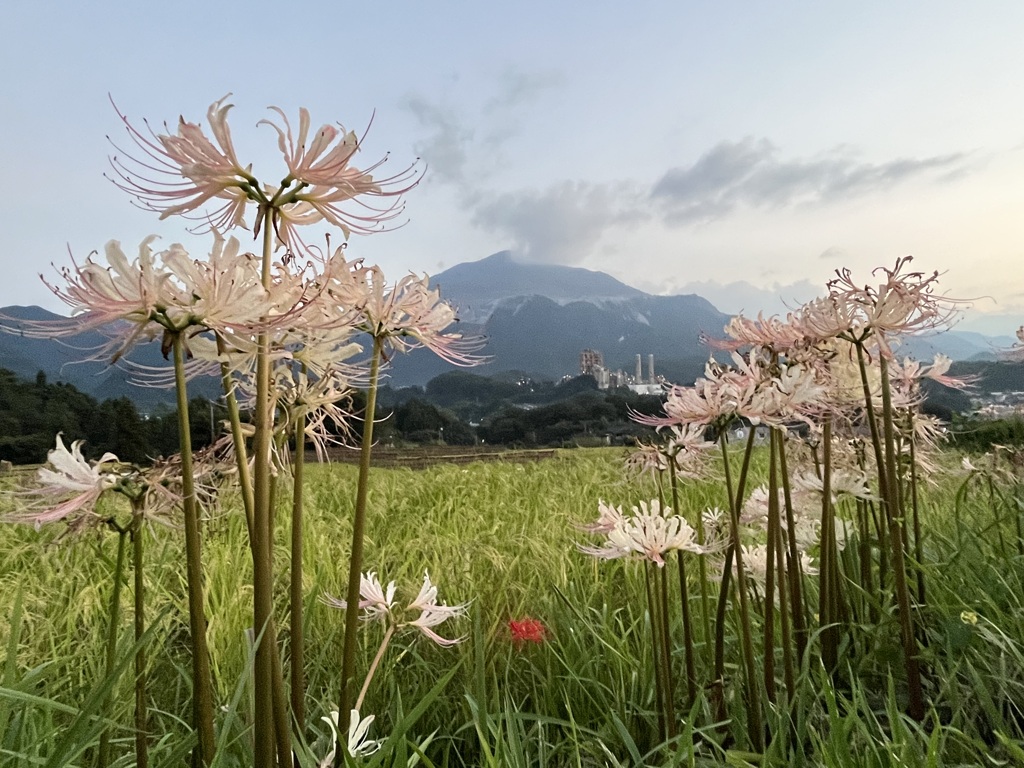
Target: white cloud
<point>562,223</point>
<point>751,172</point>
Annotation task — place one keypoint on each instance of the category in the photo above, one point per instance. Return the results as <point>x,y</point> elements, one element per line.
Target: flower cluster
<point>650,533</point>
<point>527,630</point>
<point>180,173</point>
<point>378,604</point>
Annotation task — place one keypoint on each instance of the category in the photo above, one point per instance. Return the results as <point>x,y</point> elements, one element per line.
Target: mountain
<point>536,318</point>
<point>66,360</point>
<point>478,288</point>
<point>539,317</point>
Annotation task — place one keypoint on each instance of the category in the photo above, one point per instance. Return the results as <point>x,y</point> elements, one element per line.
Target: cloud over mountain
<point>562,223</point>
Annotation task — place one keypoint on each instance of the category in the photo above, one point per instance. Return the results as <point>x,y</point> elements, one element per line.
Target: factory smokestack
<point>650,369</point>
<point>639,370</point>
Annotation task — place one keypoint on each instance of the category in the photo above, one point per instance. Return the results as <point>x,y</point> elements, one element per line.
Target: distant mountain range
<point>536,318</point>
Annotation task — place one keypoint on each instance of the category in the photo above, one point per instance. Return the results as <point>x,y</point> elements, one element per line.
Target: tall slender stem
<point>666,651</point>
<point>656,655</point>
<point>774,523</point>
<point>298,682</point>
<point>894,516</point>
<point>828,587</point>
<point>915,507</point>
<point>793,573</point>
<point>782,570</point>
<point>103,752</point>
<point>348,657</point>
<point>202,678</point>
<point>262,581</point>
<point>237,439</point>
<point>684,597</point>
<point>373,666</point>
<point>754,726</point>
<point>755,729</point>
<point>141,708</point>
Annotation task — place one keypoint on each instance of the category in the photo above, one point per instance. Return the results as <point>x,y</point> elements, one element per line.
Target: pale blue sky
<point>676,143</point>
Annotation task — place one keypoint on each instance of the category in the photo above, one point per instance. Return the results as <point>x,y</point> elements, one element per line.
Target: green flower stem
<point>348,656</point>
<point>789,667</point>
<point>141,711</point>
<point>883,480</point>
<point>295,614</point>
<point>684,601</point>
<point>894,516</point>
<point>754,723</point>
<point>769,583</point>
<point>826,593</point>
<point>915,508</point>
<point>793,574</point>
<point>202,678</point>
<point>684,598</point>
<point>754,726</point>
<point>262,581</point>
<point>373,666</point>
<point>656,655</point>
<point>666,652</point>
<point>103,752</point>
<point>237,439</point>
<point>246,489</point>
<point>864,515</point>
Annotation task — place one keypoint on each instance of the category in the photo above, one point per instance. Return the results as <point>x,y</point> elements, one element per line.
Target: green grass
<point>501,536</point>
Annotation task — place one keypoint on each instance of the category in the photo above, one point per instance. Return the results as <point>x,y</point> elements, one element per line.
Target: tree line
<point>460,409</point>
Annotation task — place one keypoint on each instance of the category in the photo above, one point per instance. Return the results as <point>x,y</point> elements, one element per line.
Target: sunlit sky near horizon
<point>678,146</point>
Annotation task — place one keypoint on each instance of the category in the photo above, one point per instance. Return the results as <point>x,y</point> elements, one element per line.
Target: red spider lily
<point>527,630</point>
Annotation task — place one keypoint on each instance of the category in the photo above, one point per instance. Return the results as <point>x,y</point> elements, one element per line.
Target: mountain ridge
<point>536,318</point>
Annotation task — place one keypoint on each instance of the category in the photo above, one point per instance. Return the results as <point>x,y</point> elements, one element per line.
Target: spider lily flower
<point>379,604</point>
<point>433,613</point>
<point>755,564</point>
<point>851,483</point>
<point>69,473</point>
<point>779,335</point>
<point>357,744</point>
<point>647,458</point>
<point>162,293</point>
<point>907,374</point>
<point>608,518</point>
<point>904,303</point>
<point>408,315</point>
<point>162,482</point>
<point>527,630</point>
<point>685,448</point>
<point>180,174</point>
<point>650,533</point>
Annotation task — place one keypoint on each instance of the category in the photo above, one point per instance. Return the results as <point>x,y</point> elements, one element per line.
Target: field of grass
<point>501,537</point>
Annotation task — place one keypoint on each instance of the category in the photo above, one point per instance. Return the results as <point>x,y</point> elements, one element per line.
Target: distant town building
<point>589,360</point>
<point>592,363</point>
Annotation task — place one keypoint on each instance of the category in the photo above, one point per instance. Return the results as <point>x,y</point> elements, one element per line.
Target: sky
<point>679,146</point>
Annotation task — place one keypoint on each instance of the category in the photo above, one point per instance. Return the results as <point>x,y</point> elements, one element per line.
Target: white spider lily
<point>68,473</point>
<point>379,604</point>
<point>357,745</point>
